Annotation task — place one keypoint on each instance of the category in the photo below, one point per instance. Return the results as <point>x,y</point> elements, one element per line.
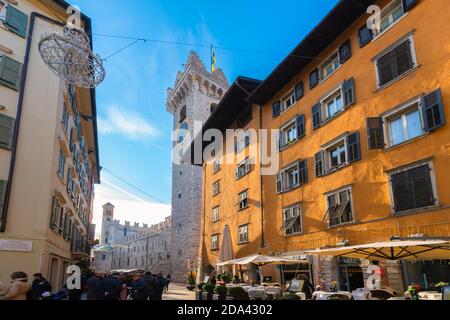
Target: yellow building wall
<point>368,177</point>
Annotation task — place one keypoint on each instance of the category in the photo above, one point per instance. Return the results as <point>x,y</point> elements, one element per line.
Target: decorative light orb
<point>71,58</point>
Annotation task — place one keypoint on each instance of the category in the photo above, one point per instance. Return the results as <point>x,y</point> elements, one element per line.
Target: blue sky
<point>135,129</point>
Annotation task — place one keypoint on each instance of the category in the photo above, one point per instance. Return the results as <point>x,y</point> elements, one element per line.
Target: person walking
<point>95,287</point>
<point>161,281</point>
<point>39,286</point>
<point>112,286</point>
<point>18,288</point>
<point>152,287</point>
<point>168,278</point>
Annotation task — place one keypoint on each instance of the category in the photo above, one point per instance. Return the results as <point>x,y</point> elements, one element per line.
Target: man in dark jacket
<point>39,286</point>
<point>112,286</point>
<point>161,281</point>
<point>95,287</point>
<point>139,288</point>
<point>152,286</point>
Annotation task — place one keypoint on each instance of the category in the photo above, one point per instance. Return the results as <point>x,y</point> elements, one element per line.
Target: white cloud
<point>128,124</point>
<point>127,207</point>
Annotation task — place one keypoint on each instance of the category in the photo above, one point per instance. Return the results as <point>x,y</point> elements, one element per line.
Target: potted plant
<point>199,292</point>
<point>440,285</point>
<point>209,289</point>
<point>414,290</point>
<point>227,278</point>
<point>191,281</point>
<point>221,292</point>
<point>238,293</point>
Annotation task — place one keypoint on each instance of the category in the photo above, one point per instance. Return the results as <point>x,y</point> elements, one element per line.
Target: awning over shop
<point>392,250</point>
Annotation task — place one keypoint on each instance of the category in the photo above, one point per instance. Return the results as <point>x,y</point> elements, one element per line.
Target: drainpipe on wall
<point>263,242</point>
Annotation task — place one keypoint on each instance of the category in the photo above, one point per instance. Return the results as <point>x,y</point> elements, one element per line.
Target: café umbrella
<point>391,250</point>
<point>226,249</point>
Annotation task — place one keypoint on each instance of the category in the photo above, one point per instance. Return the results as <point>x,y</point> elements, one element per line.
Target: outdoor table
<point>257,293</point>
<point>397,298</point>
<point>430,295</point>
<point>322,295</point>
<point>301,295</point>
<point>274,292</point>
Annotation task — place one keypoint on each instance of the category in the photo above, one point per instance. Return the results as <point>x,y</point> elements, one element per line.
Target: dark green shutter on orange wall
<point>3,185</point>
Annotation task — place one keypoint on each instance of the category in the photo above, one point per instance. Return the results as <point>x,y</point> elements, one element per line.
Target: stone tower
<point>107,222</point>
<point>194,95</point>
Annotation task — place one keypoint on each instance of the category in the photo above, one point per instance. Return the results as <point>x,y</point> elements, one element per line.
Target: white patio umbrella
<point>262,260</point>
<point>392,250</point>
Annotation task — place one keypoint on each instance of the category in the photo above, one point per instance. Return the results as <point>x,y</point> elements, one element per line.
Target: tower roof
<point>195,71</point>
<point>108,204</point>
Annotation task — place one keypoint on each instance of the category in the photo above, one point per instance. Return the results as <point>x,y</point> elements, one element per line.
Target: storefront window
<point>427,273</point>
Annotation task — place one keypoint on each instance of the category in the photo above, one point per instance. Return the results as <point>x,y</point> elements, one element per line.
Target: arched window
<point>182,131</point>
<point>183,114</point>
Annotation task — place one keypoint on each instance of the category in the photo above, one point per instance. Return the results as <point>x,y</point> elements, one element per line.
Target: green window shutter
<point>3,185</point>
<point>16,21</point>
<point>6,131</point>
<point>10,71</point>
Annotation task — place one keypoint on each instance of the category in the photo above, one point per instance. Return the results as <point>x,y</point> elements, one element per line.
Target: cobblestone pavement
<point>178,292</point>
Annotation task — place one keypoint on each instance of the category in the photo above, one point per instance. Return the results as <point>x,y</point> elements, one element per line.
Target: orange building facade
<point>364,148</point>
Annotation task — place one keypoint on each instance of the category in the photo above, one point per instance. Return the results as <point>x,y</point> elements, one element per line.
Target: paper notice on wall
<point>16,245</point>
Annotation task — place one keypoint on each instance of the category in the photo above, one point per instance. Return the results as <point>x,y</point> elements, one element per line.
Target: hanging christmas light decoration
<point>71,58</point>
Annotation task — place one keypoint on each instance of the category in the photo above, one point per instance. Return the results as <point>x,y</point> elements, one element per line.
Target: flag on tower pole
<point>213,60</point>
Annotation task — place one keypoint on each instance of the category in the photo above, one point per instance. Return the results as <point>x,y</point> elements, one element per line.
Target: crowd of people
<point>112,286</point>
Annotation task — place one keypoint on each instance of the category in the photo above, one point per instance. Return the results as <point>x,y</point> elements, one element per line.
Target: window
<point>339,206</point>
<point>61,164</point>
<point>292,220</point>
<point>288,101</point>
<point>413,188</point>
<point>243,234</point>
<point>243,200</point>
<point>396,62</point>
<point>243,169</point>
<point>215,242</point>
<point>291,132</point>
<point>293,176</point>
<point>65,118</point>
<point>329,66</point>
<point>15,21</point>
<point>334,103</point>
<point>10,72</point>
<point>406,122</point>
<point>183,114</point>
<point>242,142</point>
<point>215,214</point>
<point>216,166</point>
<point>216,188</point>
<point>182,132</point>
<point>389,15</point>
<point>6,131</point>
<point>339,153</point>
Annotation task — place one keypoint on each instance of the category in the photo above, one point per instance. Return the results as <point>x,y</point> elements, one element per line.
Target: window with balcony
<point>413,188</point>
<point>243,234</point>
<point>339,207</point>
<point>292,221</point>
<point>243,200</point>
